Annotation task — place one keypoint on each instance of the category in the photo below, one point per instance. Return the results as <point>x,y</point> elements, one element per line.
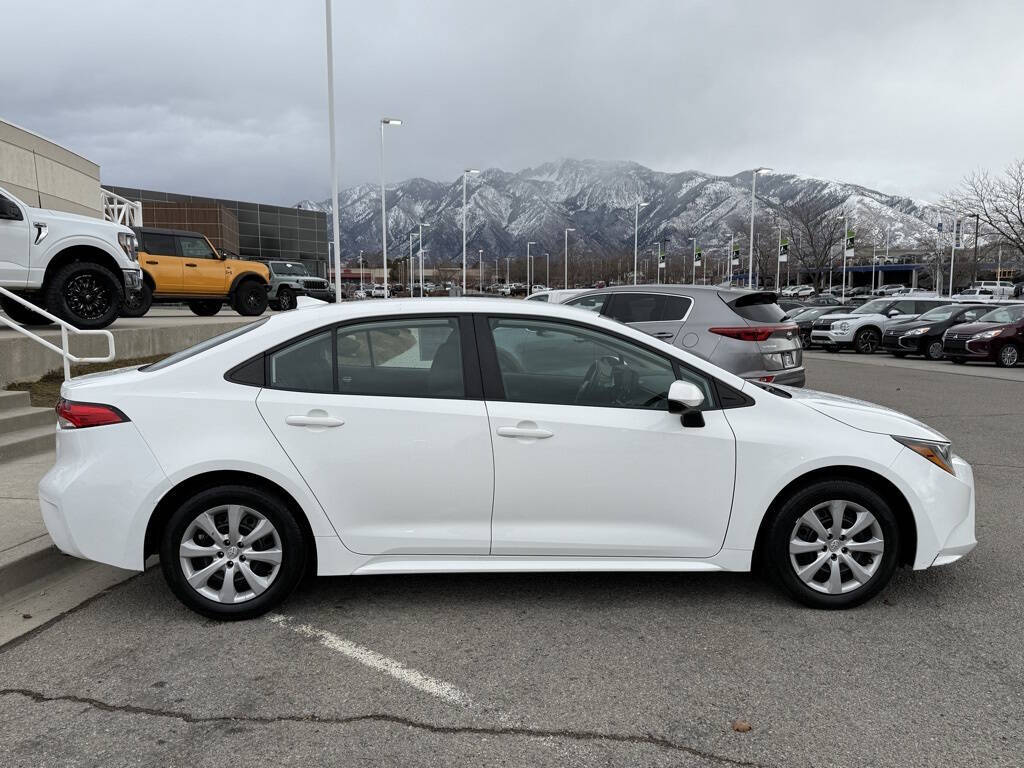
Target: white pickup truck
<point>75,267</point>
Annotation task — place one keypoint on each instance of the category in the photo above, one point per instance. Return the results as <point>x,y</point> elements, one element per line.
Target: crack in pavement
<point>649,739</point>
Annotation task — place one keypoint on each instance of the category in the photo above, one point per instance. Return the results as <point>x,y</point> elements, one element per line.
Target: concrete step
<point>27,441</point>
<point>9,399</point>
<point>14,419</point>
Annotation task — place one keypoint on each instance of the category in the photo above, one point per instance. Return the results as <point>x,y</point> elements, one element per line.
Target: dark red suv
<point>997,336</point>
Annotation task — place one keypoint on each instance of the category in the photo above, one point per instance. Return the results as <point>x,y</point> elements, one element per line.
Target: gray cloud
<point>228,98</point>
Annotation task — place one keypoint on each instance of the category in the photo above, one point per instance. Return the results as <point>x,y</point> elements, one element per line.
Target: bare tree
<point>998,201</point>
<point>815,231</point>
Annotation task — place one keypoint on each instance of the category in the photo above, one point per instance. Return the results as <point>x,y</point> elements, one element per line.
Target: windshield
<point>939,313</point>
<point>1003,315</point>
<point>287,268</point>
<point>796,311</point>
<point>876,307</point>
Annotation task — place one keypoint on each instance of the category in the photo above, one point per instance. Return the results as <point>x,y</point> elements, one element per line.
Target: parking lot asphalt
<point>565,669</point>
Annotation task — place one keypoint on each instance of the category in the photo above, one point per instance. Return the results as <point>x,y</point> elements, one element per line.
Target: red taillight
<point>72,415</point>
<point>754,333</point>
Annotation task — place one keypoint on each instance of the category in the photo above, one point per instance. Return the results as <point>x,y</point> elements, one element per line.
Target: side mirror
<point>893,312</point>
<point>685,397</point>
<point>8,210</point>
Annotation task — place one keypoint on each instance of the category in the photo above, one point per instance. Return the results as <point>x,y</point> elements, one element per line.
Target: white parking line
<point>442,690</point>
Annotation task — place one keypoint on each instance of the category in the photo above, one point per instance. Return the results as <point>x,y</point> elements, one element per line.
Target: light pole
<point>362,285</point>
<point>507,283</point>
<point>778,260</point>
<point>547,274</point>
<point>657,266</point>
<point>385,121</point>
<point>693,264</point>
<point>421,226</point>
<point>480,255</point>
<point>565,261</point>
<point>844,241</point>
<point>957,227</point>
<point>529,282</point>
<point>465,174</point>
<point>335,226</point>
<point>412,262</point>
<point>753,199</point>
<point>636,233</point>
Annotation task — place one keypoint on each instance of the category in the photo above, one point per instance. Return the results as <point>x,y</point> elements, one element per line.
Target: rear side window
<point>758,307</point>
<point>593,303</point>
<point>157,244</point>
<point>630,307</point>
<point>539,297</point>
<point>305,366</point>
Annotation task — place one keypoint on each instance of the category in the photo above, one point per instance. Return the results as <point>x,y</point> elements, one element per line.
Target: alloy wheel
<point>935,350</point>
<point>1009,355</point>
<point>230,553</point>
<point>836,547</point>
<point>87,296</point>
<point>867,341</point>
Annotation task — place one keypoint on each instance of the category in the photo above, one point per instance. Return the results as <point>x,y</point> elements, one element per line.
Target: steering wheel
<point>609,379</point>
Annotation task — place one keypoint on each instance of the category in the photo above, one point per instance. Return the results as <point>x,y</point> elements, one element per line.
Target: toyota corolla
<point>480,435</point>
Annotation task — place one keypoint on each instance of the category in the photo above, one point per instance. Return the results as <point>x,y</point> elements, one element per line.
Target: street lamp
<point>566,257</point>
<point>529,284</point>
<point>636,231</point>
<point>335,226</point>
<point>845,230</point>
<point>465,175</point>
<point>421,226</point>
<point>753,198</point>
<point>547,274</point>
<point>778,260</point>
<point>480,256</point>
<point>412,262</point>
<point>693,264</point>
<point>385,121</point>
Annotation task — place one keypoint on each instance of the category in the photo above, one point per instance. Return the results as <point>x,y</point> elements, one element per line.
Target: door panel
<point>15,247</point>
<point>158,256</point>
<point>203,273</point>
<point>659,314</point>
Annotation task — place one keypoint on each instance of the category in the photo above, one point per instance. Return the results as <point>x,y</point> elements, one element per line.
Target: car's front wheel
<point>1009,356</point>
<point>867,340</point>
<point>286,299</point>
<point>250,299</point>
<point>934,350</point>
<point>232,552</point>
<point>85,294</point>
<point>833,544</point>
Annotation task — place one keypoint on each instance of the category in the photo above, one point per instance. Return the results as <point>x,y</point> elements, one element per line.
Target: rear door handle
<point>313,421</point>
<point>536,433</point>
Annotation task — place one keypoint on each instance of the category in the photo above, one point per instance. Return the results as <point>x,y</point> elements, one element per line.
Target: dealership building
<point>252,230</point>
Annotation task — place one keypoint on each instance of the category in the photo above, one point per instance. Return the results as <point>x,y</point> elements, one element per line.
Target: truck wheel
<point>20,313</point>
<point>286,299</point>
<point>250,299</point>
<point>138,304</point>
<point>85,294</point>
<point>206,307</point>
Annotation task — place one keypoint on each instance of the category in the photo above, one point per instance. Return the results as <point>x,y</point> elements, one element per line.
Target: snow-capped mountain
<point>597,198</point>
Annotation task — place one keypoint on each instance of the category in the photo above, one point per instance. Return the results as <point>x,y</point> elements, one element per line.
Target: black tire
<point>293,544</point>
<point>21,314</point>
<point>286,299</point>
<point>205,307</point>
<point>138,304</point>
<point>1008,355</point>
<point>933,350</point>
<point>783,528</point>
<point>85,294</point>
<point>250,299</point>
<point>867,341</point>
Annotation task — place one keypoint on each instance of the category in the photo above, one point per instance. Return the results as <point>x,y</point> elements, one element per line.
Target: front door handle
<point>190,265</point>
<point>152,261</point>
<point>663,335</point>
<point>532,432</point>
<point>313,421</point>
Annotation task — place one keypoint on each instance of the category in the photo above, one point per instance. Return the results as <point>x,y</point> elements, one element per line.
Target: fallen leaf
<point>741,726</point>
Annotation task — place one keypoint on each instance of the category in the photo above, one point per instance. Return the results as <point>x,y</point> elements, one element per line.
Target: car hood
<point>975,327</point>
<point>864,416</point>
<point>849,316</point>
<point>90,222</point>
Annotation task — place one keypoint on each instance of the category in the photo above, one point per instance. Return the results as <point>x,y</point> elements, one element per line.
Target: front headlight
<point>918,331</point>
<point>939,454</point>
<point>843,327</point>
<point>129,245</point>
<point>988,334</point>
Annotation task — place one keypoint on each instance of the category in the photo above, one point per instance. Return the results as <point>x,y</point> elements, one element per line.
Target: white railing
<point>121,210</point>
<point>65,329</point>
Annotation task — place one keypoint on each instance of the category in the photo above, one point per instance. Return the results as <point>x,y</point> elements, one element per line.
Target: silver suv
<point>744,332</point>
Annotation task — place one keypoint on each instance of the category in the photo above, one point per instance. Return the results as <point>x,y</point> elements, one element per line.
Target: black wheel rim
<point>935,350</point>
<point>251,300</point>
<point>286,300</point>
<point>87,296</point>
<point>868,342</point>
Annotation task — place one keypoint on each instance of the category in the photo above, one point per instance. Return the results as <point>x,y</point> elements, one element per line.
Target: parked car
<point>290,279</point>
<point>804,292</point>
<point>558,296</point>
<point>787,304</point>
<point>997,336</point>
<point>238,488</point>
<point>889,289</point>
<point>805,321</point>
<point>824,300</point>
<point>923,335</point>
<point>181,266</point>
<point>744,332</point>
<point>78,268</point>
<point>861,328</point>
<point>378,291</point>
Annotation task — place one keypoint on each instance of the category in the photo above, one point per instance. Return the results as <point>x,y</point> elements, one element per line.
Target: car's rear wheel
<point>19,313</point>
<point>137,304</point>
<point>250,299</point>
<point>934,350</point>
<point>833,544</point>
<point>286,299</point>
<point>232,552</point>
<point>866,341</point>
<point>1009,356</point>
<point>205,307</point>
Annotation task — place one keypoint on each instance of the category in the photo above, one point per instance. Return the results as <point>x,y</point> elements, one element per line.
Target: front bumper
<point>893,342</point>
<point>832,338</point>
<point>326,294</point>
<point>132,280</point>
<point>971,349</point>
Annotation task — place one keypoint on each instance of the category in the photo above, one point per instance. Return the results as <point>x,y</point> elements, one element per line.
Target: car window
<point>634,307</point>
<point>593,303</point>
<point>563,364</point>
<point>904,307</point>
<point>158,244</point>
<point>195,248</point>
<point>925,306</point>
<point>539,297</point>
<point>417,357</point>
<point>972,314</point>
<point>939,313</point>
<point>305,365</point>
<point>758,307</point>
<point>1004,315</point>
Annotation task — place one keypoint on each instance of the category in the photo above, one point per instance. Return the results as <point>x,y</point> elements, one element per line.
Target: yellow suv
<point>184,267</point>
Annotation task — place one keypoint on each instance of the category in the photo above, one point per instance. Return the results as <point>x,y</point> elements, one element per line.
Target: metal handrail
<point>120,210</point>
<point>65,329</point>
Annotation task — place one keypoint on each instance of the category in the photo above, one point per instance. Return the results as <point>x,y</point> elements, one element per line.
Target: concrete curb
<point>27,562</point>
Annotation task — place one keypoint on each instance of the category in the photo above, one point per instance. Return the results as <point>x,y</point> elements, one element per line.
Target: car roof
<point>160,231</point>
<point>728,294</point>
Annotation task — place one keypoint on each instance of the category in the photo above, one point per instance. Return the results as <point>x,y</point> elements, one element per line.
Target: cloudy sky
<point>228,98</point>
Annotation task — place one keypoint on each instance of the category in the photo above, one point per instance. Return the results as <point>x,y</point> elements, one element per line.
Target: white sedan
<point>486,435</point>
